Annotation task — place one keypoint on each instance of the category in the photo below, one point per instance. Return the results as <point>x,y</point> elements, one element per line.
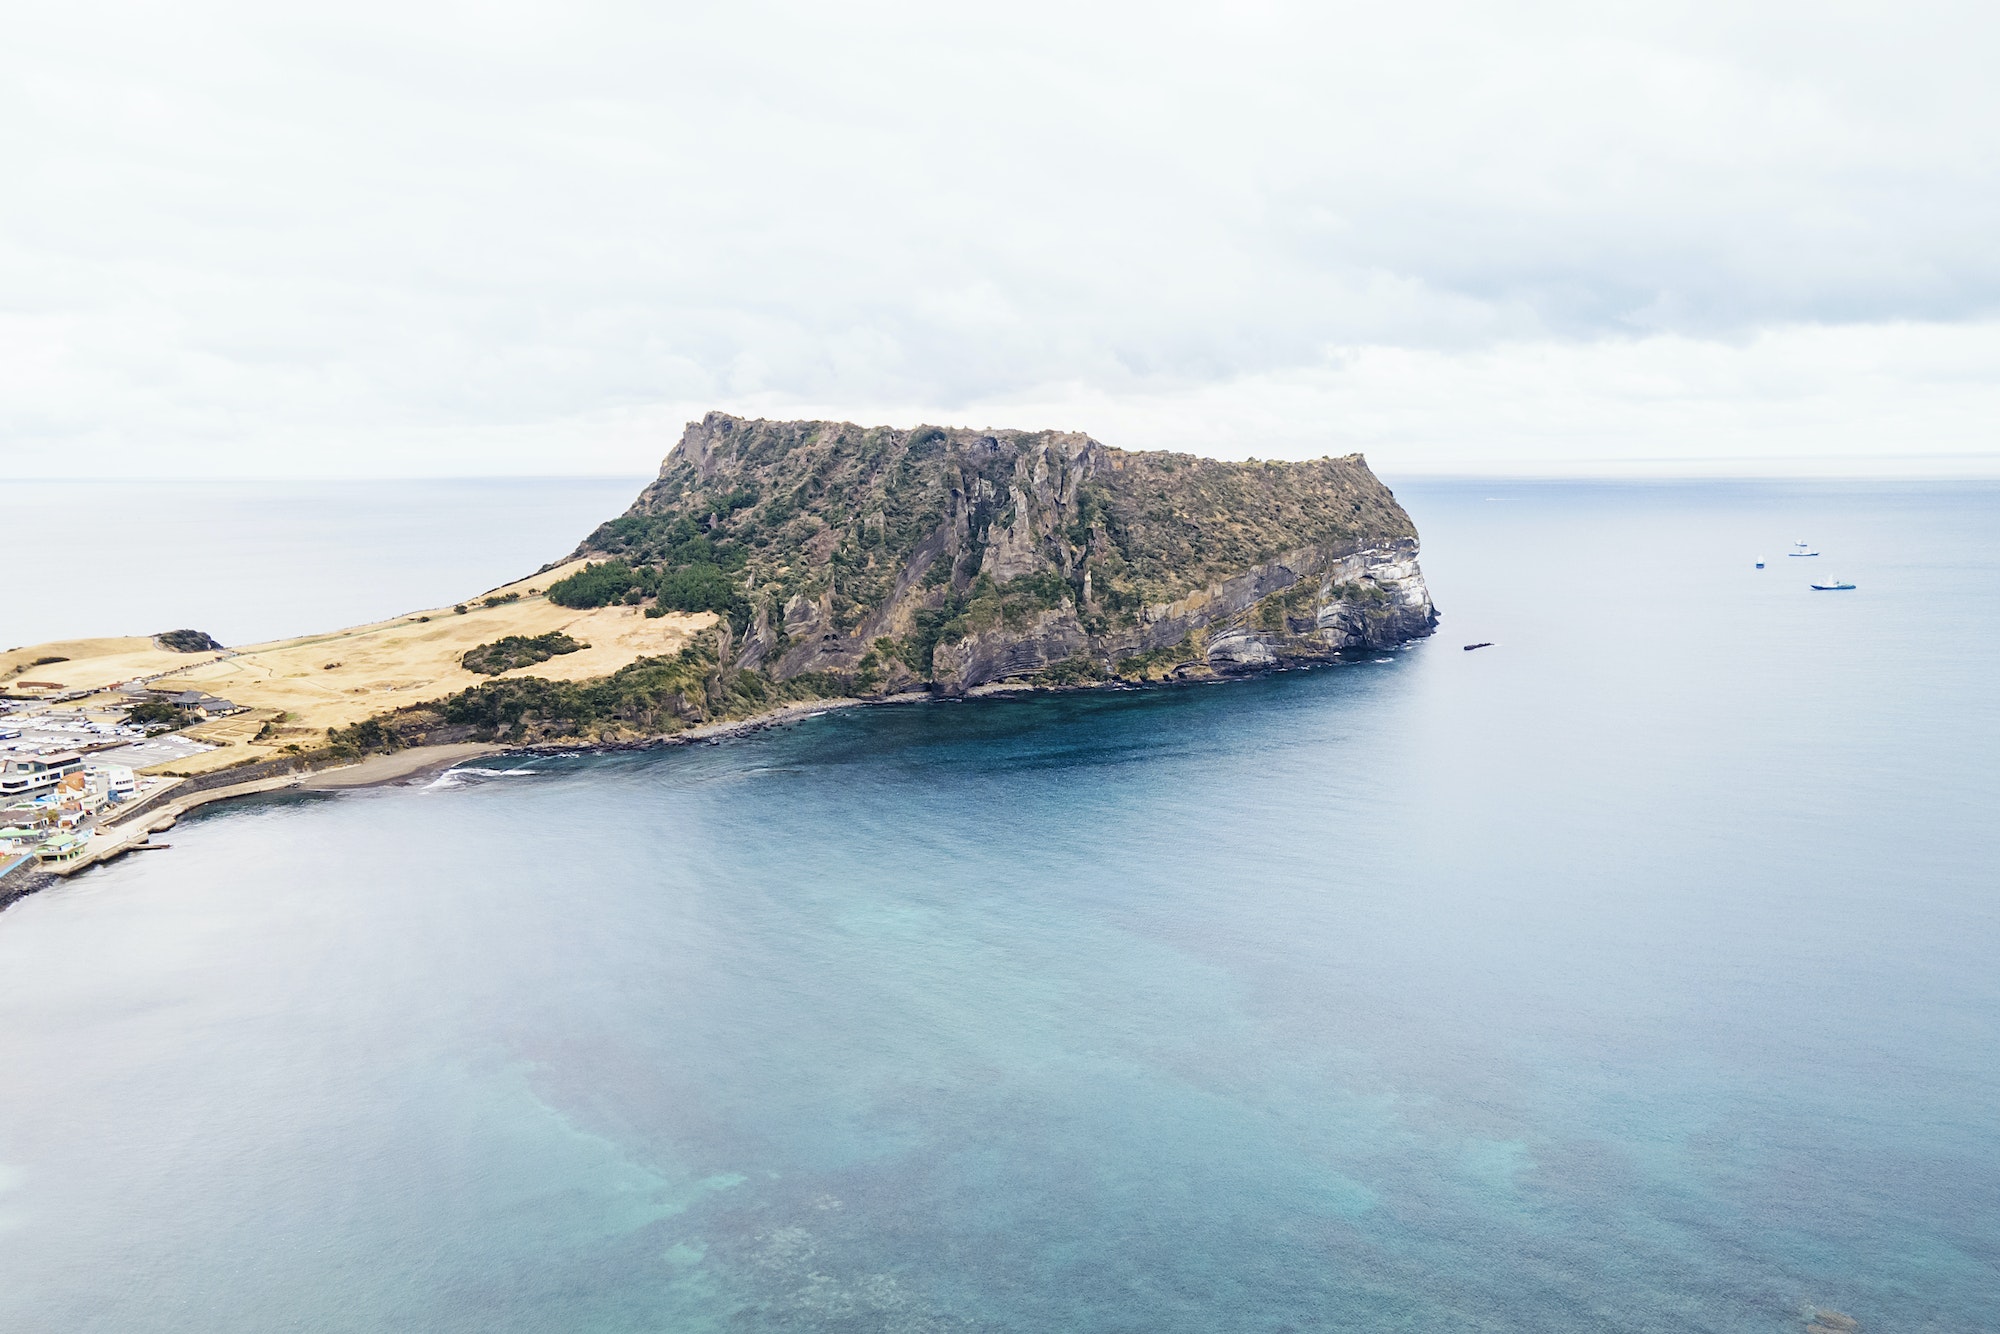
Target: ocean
<point>1636,973</point>
<point>251,561</point>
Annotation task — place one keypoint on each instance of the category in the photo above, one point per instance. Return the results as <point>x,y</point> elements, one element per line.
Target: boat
<point>1485,643</point>
<point>1835,587</point>
<point>1801,549</point>
<point>1760,564</point>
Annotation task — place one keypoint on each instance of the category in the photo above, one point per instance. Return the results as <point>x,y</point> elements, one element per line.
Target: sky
<point>423,239</point>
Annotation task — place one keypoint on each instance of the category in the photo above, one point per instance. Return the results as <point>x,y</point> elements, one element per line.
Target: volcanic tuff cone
<point>959,557</point>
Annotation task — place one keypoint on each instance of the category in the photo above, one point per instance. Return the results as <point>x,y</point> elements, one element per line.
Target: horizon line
<point>1652,470</point>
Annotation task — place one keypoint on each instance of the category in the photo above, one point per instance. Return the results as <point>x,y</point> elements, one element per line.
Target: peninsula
<point>770,565</point>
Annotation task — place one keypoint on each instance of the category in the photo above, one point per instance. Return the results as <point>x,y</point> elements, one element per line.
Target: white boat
<point>1836,586</point>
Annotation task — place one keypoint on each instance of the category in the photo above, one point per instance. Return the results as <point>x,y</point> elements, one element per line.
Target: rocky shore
<point>131,831</point>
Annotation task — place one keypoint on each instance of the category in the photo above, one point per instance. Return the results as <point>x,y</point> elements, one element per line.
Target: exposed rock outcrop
<point>894,558</point>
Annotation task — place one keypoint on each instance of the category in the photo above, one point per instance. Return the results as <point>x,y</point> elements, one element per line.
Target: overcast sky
<point>436,239</point>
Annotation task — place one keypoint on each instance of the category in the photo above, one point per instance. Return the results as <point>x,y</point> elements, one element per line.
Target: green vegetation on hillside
<point>688,579</point>
<point>650,697</point>
<point>748,515</point>
<point>511,651</point>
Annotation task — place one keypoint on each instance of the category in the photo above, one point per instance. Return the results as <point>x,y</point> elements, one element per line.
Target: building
<point>67,848</point>
<point>81,795</point>
<point>36,776</point>
<point>119,782</point>
<point>195,701</point>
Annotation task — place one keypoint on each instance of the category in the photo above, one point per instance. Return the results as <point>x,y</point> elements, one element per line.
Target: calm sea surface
<point>1639,973</point>
<point>252,561</point>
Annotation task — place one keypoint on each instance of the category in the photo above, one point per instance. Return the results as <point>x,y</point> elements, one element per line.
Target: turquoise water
<point>1634,974</point>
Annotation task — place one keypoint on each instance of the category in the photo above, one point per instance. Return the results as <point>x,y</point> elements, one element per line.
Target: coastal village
<point>101,740</point>
<point>69,771</point>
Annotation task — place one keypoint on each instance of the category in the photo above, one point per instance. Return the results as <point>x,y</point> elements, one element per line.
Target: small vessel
<point>1801,549</point>
<point>1835,587</point>
<point>1484,643</point>
<point>1760,564</point>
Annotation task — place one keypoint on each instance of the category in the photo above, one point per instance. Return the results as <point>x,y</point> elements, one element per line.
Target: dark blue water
<point>1637,973</point>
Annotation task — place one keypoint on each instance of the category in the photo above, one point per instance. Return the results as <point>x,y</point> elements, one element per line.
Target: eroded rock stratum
<point>954,558</point>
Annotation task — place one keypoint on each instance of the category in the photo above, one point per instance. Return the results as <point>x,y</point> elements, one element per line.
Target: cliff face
<point>955,557</point>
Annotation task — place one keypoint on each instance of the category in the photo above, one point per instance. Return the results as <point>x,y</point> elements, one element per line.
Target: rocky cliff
<point>895,559</point>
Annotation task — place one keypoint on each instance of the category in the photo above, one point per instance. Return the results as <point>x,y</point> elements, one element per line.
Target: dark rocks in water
<point>187,641</point>
<point>888,560</point>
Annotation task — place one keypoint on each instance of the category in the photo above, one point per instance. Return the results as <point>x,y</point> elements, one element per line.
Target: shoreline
<point>136,831</point>
<point>403,766</point>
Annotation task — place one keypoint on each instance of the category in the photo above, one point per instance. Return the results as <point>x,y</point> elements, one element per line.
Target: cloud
<point>518,237</point>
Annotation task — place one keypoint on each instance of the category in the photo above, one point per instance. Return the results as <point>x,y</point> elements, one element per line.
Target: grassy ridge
<point>650,697</point>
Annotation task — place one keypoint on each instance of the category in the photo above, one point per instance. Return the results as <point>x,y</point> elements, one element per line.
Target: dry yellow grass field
<point>340,678</point>
<point>93,664</point>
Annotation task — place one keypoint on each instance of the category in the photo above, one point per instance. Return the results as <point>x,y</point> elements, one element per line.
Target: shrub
<point>155,712</point>
<point>504,655</point>
<point>1159,661</point>
<point>927,629</point>
<point>1046,589</point>
<point>595,585</point>
<point>650,695</point>
<point>366,737</point>
<point>698,588</point>
<point>1078,669</point>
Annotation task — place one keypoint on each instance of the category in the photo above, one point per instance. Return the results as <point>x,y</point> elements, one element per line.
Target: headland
<point>772,568</point>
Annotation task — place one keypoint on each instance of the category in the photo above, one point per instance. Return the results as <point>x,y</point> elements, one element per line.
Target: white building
<point>32,777</point>
<point>118,780</point>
